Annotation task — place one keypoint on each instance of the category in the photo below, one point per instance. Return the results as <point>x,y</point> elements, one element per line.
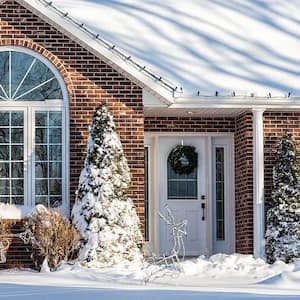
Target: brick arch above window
<point>46,55</point>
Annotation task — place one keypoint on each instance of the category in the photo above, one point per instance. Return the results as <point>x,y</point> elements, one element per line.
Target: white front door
<point>185,195</point>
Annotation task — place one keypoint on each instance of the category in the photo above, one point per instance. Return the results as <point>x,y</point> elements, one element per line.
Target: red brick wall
<point>275,123</point>
<point>18,254</point>
<point>89,82</point>
<point>244,184</point>
<point>189,124</point>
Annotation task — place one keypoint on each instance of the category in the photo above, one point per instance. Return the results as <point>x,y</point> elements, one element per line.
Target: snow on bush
<point>103,213</point>
<point>283,227</point>
<point>53,238</point>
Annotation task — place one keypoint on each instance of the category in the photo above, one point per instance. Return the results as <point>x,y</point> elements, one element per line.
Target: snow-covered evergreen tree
<point>103,213</point>
<point>283,227</point>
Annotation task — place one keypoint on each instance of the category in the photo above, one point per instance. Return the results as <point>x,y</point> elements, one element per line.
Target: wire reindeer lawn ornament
<point>171,259</point>
<point>25,236</point>
<point>178,234</point>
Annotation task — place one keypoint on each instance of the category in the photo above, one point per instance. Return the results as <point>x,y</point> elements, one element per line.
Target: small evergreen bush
<point>283,227</point>
<point>103,213</point>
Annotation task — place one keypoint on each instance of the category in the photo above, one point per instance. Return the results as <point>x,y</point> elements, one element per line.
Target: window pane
<point>55,152</point>
<point>219,155</point>
<point>41,135</point>
<point>182,186</point>
<point>55,118</point>
<point>41,200</point>
<point>220,210</point>
<point>20,62</point>
<point>41,170</point>
<point>41,119</point>
<point>49,90</point>
<point>219,193</point>
<point>4,187</point>
<point>4,152</point>
<point>55,202</point>
<point>17,169</point>
<point>37,75</point>
<point>11,157</point>
<point>42,82</point>
<point>41,187</point>
<point>191,189</point>
<point>4,70</point>
<point>4,135</point>
<point>4,117</point>
<point>50,156</point>
<point>55,135</point>
<point>41,152</point>
<point>17,187</point>
<point>4,170</point>
<point>17,135</point>
<point>55,187</point>
<point>17,119</point>
<point>17,152</point>
<point>55,169</point>
<point>17,200</point>
<point>4,200</point>
<point>182,189</point>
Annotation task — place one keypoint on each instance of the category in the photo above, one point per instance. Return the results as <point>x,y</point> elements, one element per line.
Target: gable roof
<point>249,46</point>
<point>107,52</point>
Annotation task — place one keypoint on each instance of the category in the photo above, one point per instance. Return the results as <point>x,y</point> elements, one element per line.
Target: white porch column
<point>258,184</point>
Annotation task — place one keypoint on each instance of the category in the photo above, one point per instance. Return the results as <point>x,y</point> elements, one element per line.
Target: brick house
<point>55,72</point>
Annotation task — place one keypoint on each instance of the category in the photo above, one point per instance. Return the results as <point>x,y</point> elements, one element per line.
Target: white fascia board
<point>237,102</point>
<point>151,100</point>
<point>93,46</point>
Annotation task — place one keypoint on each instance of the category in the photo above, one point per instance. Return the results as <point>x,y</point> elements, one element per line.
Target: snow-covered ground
<point>219,277</point>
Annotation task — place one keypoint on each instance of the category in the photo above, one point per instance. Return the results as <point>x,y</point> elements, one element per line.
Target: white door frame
<point>152,140</point>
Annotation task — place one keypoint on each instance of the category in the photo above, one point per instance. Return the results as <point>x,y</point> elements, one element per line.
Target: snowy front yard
<point>220,277</point>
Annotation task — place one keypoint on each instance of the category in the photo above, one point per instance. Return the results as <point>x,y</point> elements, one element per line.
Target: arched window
<point>33,119</point>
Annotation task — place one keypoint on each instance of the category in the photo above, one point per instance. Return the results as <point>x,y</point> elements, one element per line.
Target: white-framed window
<point>220,193</point>
<point>33,130</point>
<point>182,186</point>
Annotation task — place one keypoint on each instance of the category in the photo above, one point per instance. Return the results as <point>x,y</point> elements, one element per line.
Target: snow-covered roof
<point>249,46</point>
<point>108,52</point>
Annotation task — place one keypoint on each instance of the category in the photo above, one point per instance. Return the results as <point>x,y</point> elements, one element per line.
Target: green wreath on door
<point>183,159</point>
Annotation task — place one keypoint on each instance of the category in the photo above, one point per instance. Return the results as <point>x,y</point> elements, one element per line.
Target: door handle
<point>203,211</point>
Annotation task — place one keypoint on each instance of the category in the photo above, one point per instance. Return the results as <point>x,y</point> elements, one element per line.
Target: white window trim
<point>149,242</point>
<point>29,108</point>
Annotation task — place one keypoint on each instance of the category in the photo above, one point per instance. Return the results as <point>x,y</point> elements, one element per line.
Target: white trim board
<point>247,103</point>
